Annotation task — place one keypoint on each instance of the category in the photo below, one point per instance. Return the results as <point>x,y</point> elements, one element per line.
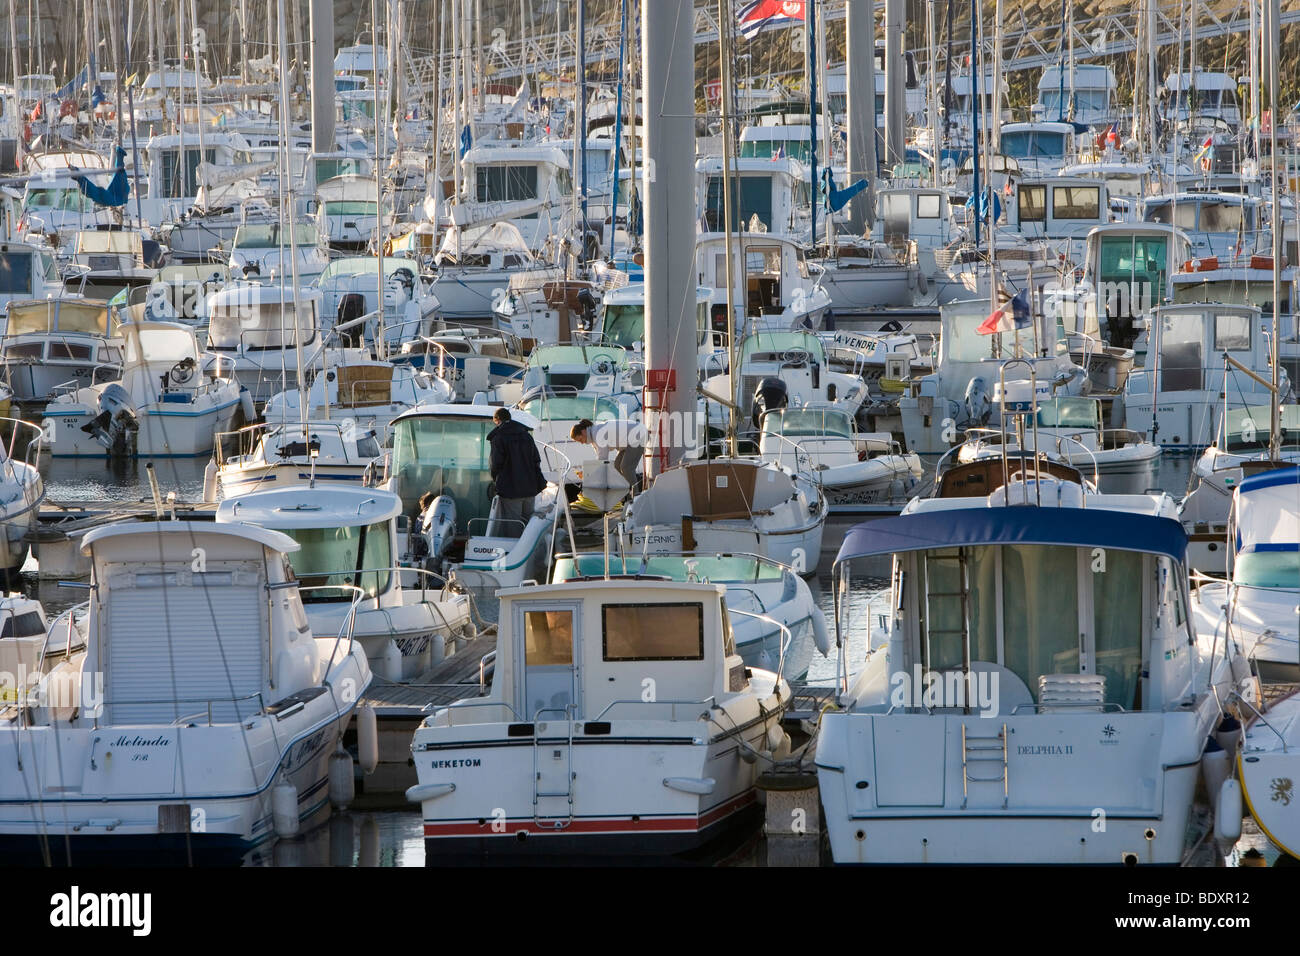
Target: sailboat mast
<point>724,94</point>
<point>1273,14</point>
<point>811,26</point>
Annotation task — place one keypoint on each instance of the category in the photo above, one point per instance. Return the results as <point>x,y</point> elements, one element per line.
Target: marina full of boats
<point>595,460</point>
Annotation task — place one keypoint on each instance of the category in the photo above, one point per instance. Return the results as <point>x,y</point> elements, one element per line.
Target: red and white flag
<point>753,18</point>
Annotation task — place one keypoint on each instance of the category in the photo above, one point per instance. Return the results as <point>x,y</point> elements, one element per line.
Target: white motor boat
<point>1037,667</point>
<point>21,489</point>
<point>857,471</point>
<point>1178,396</point>
<point>1258,606</point>
<point>728,505</point>
<point>404,618</point>
<point>369,393</point>
<point>565,754</point>
<point>213,716</point>
<point>295,453</point>
<point>165,405</point>
<point>53,342</point>
<point>1070,429</point>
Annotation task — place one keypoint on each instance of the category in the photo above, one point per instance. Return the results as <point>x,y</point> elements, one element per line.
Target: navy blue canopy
<point>1016,524</point>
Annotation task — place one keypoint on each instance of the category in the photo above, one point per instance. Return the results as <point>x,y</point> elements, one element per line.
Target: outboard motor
<point>587,302</point>
<point>438,527</point>
<point>771,394</point>
<point>978,404</point>
<point>115,426</point>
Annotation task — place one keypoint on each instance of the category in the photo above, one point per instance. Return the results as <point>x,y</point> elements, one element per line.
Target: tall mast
<point>724,92</point>
<point>1273,14</point>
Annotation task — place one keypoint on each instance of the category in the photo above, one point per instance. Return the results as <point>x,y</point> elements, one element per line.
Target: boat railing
<point>709,702</point>
<point>460,705</point>
<point>786,637</point>
<point>575,556</point>
<point>1259,716</point>
<point>347,628</point>
<point>802,457</point>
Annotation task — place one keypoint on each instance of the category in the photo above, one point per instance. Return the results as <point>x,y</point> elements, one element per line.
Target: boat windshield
<point>571,408</point>
<point>1267,569</point>
<point>779,343</point>
<point>1018,614</point>
<point>270,236</point>
<point>336,559</point>
<point>809,423</point>
<point>1068,413</point>
<point>729,569</point>
<point>443,455</point>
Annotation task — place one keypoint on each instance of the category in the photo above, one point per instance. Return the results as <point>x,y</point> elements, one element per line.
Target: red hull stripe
<point>595,824</point>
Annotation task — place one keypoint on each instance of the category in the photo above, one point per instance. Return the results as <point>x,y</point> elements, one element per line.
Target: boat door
<point>548,644</point>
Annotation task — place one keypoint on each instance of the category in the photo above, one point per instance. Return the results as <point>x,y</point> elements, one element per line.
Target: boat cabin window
<point>1069,413</point>
<point>1222,217</point>
<point>809,423</point>
<point>752,196</point>
<point>350,207</point>
<point>336,559</point>
<point>22,625</point>
<point>329,168</point>
<point>1183,215</point>
<point>69,350</point>
<point>652,632</point>
<point>548,638</point>
<point>1027,608</point>
<point>66,199</point>
<point>1259,569</point>
<point>1076,202</point>
<point>1231,332</point>
<point>179,177</point>
<point>505,183</point>
<point>1032,203</point>
<point>1029,144</point>
<point>927,206</point>
<point>1133,264</point>
<point>16,273</point>
<point>271,236</point>
<point>1181,360</point>
<point>896,211</point>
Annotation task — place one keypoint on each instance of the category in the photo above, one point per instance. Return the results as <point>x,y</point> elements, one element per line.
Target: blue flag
<point>465,142</point>
<point>836,199</point>
<point>115,193</point>
<point>984,205</point>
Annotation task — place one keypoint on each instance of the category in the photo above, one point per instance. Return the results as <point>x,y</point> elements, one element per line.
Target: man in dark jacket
<point>517,472</point>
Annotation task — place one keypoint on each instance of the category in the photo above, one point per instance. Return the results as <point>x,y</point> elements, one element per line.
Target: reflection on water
<point>86,481</point>
<point>375,838</point>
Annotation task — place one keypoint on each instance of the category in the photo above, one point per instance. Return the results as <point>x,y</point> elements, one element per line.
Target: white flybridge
<point>1257,605</point>
<point>165,406</point>
<point>1001,705</point>
<point>405,619</point>
<point>213,713</point>
<point>568,748</point>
